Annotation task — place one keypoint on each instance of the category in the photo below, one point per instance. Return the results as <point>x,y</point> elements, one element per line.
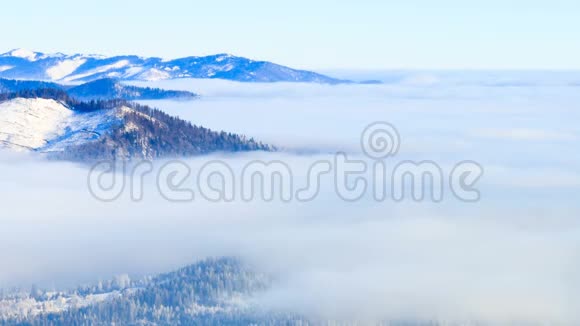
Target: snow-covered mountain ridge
<point>28,124</point>
<point>48,125</point>
<point>25,64</point>
<point>52,123</point>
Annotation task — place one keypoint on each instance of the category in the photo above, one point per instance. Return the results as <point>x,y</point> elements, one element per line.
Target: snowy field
<point>514,255</point>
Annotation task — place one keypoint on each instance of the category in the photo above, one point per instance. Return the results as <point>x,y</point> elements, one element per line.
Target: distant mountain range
<point>49,121</point>
<point>101,89</point>
<point>25,64</point>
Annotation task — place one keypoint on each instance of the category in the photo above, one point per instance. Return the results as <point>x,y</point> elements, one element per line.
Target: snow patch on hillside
<point>154,75</point>
<point>24,54</point>
<point>65,68</point>
<point>130,72</point>
<point>117,65</point>
<point>47,125</point>
<point>31,123</point>
<point>82,128</point>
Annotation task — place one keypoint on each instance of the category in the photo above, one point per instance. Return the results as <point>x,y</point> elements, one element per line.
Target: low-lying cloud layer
<point>511,257</point>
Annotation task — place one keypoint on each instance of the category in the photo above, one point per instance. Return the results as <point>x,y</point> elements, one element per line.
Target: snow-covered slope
<point>115,130</point>
<point>214,291</point>
<point>31,123</point>
<point>47,125</point>
<point>54,303</point>
<point>25,64</point>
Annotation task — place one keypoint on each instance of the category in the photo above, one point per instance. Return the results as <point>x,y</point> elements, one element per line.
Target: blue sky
<point>323,34</point>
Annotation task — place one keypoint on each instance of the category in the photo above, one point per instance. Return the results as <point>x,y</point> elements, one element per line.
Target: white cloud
<point>513,257</point>
<point>330,259</point>
<point>525,134</point>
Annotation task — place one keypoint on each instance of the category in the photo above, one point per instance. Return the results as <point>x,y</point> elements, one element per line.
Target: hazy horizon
<point>324,35</point>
